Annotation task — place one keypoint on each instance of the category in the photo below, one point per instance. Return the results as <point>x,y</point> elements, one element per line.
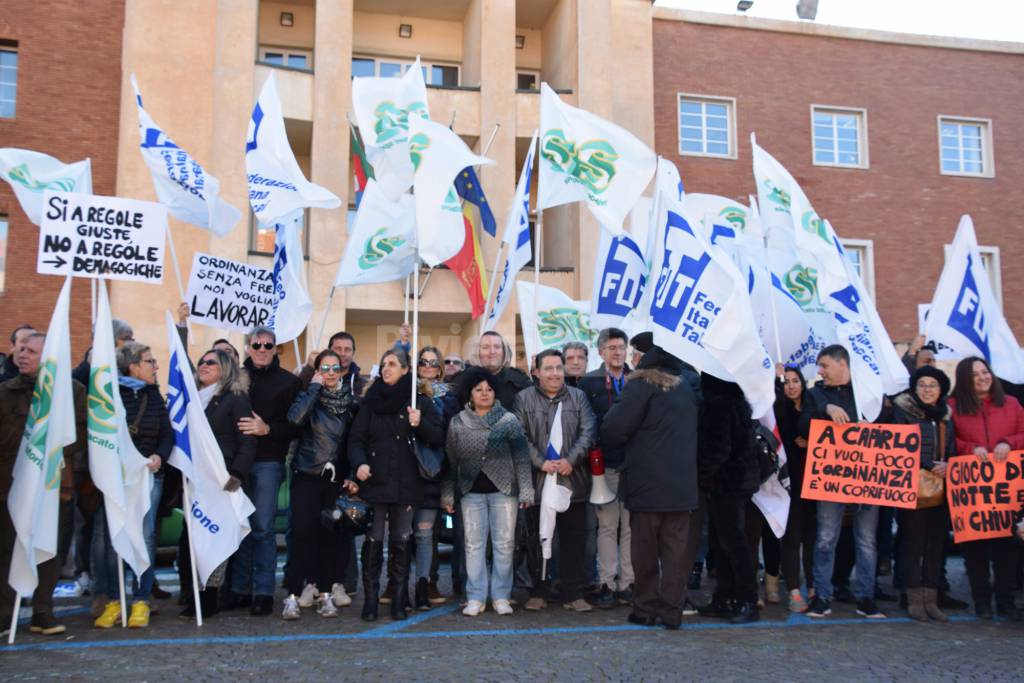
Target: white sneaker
<point>308,597</point>
<point>339,596</point>
<point>85,582</point>
<point>503,607</point>
<point>327,608</point>
<point>291,608</point>
<point>474,608</point>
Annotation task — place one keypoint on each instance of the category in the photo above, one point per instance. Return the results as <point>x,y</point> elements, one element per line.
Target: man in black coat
<point>272,390</point>
<point>495,357</point>
<point>8,368</point>
<point>654,420</point>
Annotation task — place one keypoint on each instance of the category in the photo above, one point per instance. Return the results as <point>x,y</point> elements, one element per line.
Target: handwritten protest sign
<point>863,463</point>
<point>983,496</point>
<point>89,235</point>
<point>229,294</point>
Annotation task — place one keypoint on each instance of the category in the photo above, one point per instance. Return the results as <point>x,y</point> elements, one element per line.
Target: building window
<point>965,147</point>
<point>707,126</point>
<point>8,81</point>
<point>261,238</point>
<point>861,253</point>
<point>527,80</point>
<point>3,251</point>
<point>840,137</point>
<point>445,75</point>
<point>292,58</point>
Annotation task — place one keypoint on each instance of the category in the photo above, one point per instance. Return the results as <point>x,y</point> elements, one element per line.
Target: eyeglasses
<point>206,362</point>
<point>452,361</point>
<point>424,363</point>
<point>330,368</point>
<point>151,361</point>
<point>256,346</point>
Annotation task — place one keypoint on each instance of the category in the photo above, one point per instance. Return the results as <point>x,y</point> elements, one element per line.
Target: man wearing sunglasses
<point>453,365</point>
<point>272,390</point>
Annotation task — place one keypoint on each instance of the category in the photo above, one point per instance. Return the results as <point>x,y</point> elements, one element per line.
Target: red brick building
<point>893,137</point>
<point>67,75</point>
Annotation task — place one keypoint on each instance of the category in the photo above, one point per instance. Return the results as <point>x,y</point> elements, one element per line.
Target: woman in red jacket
<point>988,424</point>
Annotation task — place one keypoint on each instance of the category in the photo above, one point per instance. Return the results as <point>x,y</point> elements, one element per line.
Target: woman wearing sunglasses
<point>381,449</point>
<point>323,412</point>
<point>224,392</point>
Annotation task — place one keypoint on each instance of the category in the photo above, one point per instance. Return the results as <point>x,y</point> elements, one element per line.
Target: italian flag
<point>361,168</point>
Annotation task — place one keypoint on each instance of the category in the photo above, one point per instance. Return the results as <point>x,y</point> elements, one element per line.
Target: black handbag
<point>351,511</point>
<point>430,460</point>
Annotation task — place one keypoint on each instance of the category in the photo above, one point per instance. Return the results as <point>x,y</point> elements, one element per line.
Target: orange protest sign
<point>862,462</point>
<point>983,496</point>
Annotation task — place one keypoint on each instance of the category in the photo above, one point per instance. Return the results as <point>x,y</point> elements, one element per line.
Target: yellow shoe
<point>139,617</point>
<point>111,615</point>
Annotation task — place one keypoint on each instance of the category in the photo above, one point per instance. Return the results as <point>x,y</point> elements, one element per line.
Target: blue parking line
<point>387,632</point>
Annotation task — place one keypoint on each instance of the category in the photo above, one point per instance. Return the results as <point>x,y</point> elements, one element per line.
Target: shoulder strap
<point>133,428</point>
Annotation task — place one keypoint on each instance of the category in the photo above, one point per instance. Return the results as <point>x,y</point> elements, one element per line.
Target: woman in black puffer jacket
<point>319,471</point>
<point>381,449</point>
<point>729,473</point>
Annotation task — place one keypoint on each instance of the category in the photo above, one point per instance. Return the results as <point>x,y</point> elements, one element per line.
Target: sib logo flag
<point>550,319</point>
<point>34,498</point>
<point>116,467</point>
<point>218,519</point>
<point>277,186</point>
<point>292,306</point>
<point>191,194</point>
<point>965,318</point>
<point>382,245</point>
<point>585,158</point>
<point>30,174</point>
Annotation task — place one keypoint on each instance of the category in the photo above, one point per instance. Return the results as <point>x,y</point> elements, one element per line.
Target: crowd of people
<point>678,452</point>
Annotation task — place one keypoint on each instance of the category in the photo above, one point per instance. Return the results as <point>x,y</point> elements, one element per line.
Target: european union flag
<point>467,184</point>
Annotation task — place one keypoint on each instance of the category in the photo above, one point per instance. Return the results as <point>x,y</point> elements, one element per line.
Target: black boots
<point>422,601</point>
<point>401,552</point>
<point>373,558</point>
<point>207,603</point>
<point>746,612</point>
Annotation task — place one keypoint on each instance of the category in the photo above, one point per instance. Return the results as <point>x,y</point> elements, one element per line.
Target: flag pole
<point>124,600</point>
<point>405,303</point>
<point>415,325</point>
<point>14,617</point>
<point>298,357</point>
<point>92,290</point>
<point>177,275</point>
<point>191,549</point>
<point>323,323</point>
<point>494,279</point>
<point>537,238</point>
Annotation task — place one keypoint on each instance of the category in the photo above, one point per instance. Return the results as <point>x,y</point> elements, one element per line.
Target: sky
<point>985,19</point>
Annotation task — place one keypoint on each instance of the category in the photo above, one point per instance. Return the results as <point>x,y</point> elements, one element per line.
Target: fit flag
<point>585,158</point>
<point>700,311</point>
<point>30,174</point>
<point>34,499</point>
<point>965,318</point>
<point>384,108</point>
<point>382,245</point>
<point>517,237</point>
<point>554,497</point>
<point>620,276</point>
<point>362,171</point>
<point>218,519</point>
<point>292,306</point>
<point>277,186</point>
<point>190,194</point>
<point>550,319</point>
<point>438,155</point>
<point>117,469</point>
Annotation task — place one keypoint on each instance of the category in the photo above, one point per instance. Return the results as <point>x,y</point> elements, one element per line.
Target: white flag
<point>550,318</point>
<point>218,519</point>
<point>965,318</point>
<point>700,310</point>
<point>438,155</point>
<point>30,174</point>
<point>517,237</point>
<point>190,193</point>
<point>772,498</point>
<point>383,108</point>
<point>34,498</point>
<point>276,184</point>
<point>292,306</point>
<point>382,245</point>
<point>116,467</point>
<point>585,158</point>
<point>620,276</point>
<point>554,498</point>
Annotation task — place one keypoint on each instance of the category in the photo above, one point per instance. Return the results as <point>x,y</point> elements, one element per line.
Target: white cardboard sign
<point>229,294</point>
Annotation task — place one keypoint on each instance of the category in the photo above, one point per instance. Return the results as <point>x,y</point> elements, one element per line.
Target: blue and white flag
<point>292,306</point>
<point>277,186</point>
<point>620,276</point>
<point>554,497</point>
<point>965,318</point>
<point>218,520</point>
<point>700,310</point>
<point>30,174</point>
<point>190,193</point>
<point>517,237</point>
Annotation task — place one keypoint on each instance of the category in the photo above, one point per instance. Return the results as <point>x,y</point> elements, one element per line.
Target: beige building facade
<point>201,63</point>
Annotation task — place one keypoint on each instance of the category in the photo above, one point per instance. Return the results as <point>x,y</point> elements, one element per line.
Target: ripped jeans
<point>423,531</point>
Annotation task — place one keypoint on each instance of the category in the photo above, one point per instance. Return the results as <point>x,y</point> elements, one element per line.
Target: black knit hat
<point>933,372</point>
<point>642,342</point>
<point>470,378</point>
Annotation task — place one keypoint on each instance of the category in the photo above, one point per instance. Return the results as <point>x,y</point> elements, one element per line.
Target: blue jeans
<point>104,559</point>
<point>254,565</point>
<point>865,526</point>
<point>143,586</point>
<point>494,513</point>
<point>423,532</point>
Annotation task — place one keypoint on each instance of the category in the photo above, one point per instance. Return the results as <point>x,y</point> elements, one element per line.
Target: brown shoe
<point>385,597</point>
<point>434,596</point>
<point>46,624</point>
<point>931,605</point>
